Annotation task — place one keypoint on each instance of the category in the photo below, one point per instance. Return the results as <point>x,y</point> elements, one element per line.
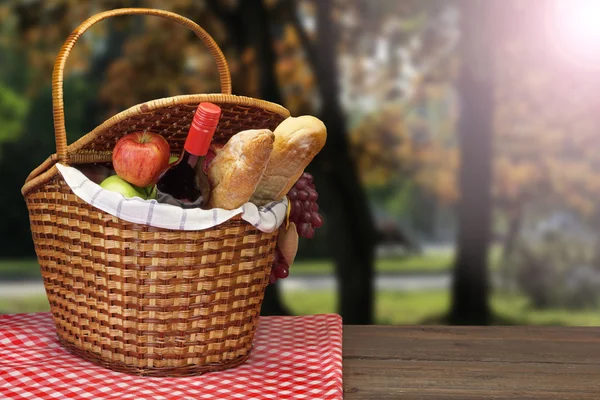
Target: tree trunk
<point>257,30</point>
<point>350,225</point>
<point>470,285</point>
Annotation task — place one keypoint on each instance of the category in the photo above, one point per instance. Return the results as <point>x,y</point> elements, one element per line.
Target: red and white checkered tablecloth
<point>293,357</point>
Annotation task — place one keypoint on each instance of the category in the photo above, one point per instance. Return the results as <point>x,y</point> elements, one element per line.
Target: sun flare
<point>574,26</point>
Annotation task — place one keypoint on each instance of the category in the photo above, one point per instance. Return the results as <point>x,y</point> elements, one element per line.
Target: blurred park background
<point>461,179</point>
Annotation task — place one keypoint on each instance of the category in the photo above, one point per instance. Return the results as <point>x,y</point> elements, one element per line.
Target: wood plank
<point>392,379</point>
<point>471,363</point>
<point>506,344</point>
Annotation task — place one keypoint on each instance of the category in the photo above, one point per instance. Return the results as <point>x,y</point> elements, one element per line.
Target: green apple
<point>117,184</point>
<point>151,192</point>
<point>172,159</point>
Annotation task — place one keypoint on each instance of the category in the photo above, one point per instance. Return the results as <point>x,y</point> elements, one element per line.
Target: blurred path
<point>21,289</point>
<point>401,282</point>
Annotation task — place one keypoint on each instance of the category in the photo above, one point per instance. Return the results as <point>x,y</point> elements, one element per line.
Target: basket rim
<point>46,170</point>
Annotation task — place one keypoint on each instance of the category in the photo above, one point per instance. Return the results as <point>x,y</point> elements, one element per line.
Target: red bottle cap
<point>203,128</point>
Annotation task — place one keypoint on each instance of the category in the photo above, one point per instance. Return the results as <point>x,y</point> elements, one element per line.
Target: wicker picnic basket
<point>137,298</point>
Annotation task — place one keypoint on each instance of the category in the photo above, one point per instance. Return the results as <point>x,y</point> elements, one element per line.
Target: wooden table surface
<point>471,363</point>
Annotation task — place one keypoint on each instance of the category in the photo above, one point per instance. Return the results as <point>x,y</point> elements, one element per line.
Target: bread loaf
<point>297,142</point>
<point>238,167</point>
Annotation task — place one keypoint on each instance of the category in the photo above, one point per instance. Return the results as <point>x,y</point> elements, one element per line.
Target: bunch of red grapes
<point>305,214</point>
<point>305,210</point>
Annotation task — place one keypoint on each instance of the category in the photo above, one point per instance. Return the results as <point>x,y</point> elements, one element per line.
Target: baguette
<point>297,142</point>
<point>238,167</point>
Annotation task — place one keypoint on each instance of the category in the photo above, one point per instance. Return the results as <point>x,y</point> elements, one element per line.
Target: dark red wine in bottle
<point>182,181</point>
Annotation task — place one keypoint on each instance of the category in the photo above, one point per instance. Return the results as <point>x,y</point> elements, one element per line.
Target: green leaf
<point>13,110</point>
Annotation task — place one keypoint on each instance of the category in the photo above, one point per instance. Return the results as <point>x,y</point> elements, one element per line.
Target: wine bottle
<point>186,181</point>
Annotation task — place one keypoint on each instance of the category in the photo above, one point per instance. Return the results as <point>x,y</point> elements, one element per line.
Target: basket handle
<point>59,65</point>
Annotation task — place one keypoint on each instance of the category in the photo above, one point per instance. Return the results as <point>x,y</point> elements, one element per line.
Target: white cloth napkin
<point>167,212</point>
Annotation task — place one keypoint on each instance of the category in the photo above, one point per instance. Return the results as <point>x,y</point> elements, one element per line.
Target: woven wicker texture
<point>141,299</point>
<point>173,123</point>
<point>147,299</point>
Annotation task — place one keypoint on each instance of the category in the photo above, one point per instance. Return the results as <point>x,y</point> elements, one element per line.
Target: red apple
<point>141,157</point>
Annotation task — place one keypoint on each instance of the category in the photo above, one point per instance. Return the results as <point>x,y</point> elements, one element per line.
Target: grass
<point>19,269</point>
<point>407,308</point>
<point>392,308</point>
<point>414,308</point>
<point>428,263</point>
<point>431,262</point>
<point>516,310</point>
<point>15,305</point>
